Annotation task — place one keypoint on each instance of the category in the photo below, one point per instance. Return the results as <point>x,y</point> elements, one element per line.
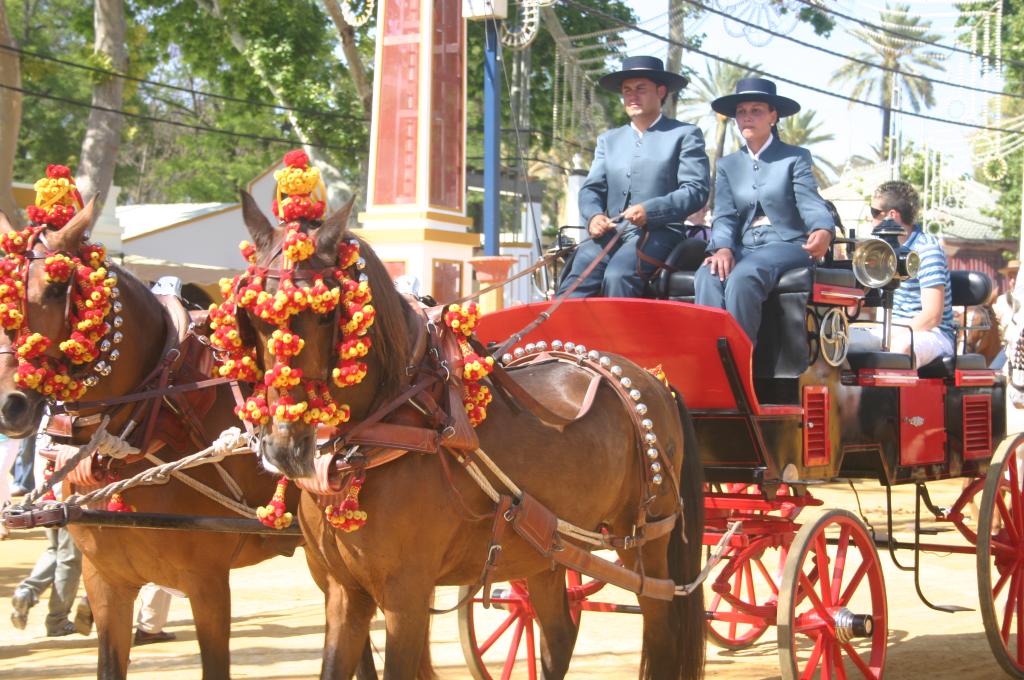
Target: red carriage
<point>800,410</point>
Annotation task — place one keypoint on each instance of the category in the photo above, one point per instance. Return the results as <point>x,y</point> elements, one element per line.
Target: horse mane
<point>390,329</point>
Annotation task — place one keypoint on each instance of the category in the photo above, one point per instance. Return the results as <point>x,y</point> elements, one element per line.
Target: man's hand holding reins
<point>599,225</point>
<point>636,214</point>
<point>721,263</point>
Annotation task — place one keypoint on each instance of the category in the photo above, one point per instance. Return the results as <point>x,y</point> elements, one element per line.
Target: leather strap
<point>494,552</point>
<point>578,559</point>
<point>53,516</point>
<point>538,526</point>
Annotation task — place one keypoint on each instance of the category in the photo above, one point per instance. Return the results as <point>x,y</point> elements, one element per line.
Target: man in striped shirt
<point>923,303</point>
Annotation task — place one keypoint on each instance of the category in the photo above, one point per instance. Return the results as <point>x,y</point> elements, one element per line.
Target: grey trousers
<point>60,566</point>
<point>752,280</point>
<point>616,274</point>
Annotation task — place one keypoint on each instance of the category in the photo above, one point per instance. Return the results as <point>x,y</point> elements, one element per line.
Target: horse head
<point>44,302</point>
<point>304,307</point>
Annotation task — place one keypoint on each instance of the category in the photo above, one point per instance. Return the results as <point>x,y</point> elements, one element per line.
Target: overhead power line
<point>904,36</point>
<point>782,79</point>
<point>166,121</point>
<point>856,60</point>
<point>179,88</point>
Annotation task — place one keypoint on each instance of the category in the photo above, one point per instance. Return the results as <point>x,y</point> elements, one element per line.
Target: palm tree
<point>908,55</point>
<point>718,79</point>
<point>802,129</point>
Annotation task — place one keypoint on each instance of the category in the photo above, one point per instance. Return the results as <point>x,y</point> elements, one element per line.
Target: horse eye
<point>55,290</point>
<point>325,319</point>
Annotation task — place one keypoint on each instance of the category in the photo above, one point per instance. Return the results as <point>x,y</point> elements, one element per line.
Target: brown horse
<point>430,524</point>
<point>983,335</point>
<point>119,561</point>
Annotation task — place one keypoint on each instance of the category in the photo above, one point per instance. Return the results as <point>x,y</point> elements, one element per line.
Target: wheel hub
<point>850,625</point>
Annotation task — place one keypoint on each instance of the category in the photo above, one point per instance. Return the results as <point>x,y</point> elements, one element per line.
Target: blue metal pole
<point>492,140</point>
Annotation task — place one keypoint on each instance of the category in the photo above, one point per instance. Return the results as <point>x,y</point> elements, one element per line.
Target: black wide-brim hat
<point>755,90</point>
<point>651,68</point>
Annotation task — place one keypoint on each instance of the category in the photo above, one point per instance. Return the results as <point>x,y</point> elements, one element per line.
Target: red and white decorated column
<point>416,201</point>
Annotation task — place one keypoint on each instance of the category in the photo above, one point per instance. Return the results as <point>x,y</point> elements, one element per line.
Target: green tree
<point>1008,183</point>
<point>802,129</point>
<point>887,51</point>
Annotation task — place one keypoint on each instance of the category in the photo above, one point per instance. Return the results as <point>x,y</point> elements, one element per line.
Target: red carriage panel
<point>679,336</point>
<point>923,423</point>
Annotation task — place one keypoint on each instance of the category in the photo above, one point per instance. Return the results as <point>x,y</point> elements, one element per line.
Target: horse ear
<point>70,236</point>
<point>256,222</point>
<point>330,232</point>
<point>5,225</point>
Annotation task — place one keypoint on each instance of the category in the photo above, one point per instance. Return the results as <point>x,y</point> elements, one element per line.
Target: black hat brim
<point>613,81</point>
<point>727,105</point>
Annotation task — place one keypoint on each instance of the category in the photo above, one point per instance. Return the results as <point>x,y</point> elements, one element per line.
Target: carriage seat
<point>782,350</point>
<point>969,288</point>
<point>885,360</point>
<point>688,256</point>
<point>946,367</point>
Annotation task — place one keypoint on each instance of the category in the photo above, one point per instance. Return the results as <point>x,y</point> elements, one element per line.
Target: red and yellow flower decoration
<point>475,397</point>
<point>300,199</point>
<point>92,293</point>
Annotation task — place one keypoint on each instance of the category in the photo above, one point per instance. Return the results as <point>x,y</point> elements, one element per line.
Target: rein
<point>546,314</point>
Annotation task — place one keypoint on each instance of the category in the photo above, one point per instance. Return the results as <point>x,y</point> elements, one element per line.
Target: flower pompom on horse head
<point>58,300</point>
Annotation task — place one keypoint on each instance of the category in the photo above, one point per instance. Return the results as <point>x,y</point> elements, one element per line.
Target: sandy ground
<point>278,633</point>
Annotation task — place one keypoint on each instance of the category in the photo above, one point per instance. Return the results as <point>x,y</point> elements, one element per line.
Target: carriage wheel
<point>752,581</point>
<point>1001,557</point>
<point>491,644</point>
<point>832,613</point>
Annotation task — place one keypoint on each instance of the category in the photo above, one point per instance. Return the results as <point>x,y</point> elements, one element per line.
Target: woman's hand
<point>720,263</point>
<point>818,243</point>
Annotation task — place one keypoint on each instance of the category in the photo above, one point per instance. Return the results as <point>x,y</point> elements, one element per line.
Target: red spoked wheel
<point>743,590</point>
<point>1001,556</point>
<point>743,594</point>
<point>832,612</point>
<point>497,641</point>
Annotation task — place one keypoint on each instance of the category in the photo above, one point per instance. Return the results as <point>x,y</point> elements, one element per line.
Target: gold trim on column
<point>377,214</point>
<point>418,235</point>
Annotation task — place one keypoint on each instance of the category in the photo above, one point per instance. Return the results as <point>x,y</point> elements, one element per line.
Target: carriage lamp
<point>877,262</point>
<point>876,258</point>
<point>882,262</point>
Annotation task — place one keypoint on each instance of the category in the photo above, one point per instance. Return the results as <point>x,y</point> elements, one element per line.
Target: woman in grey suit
<point>769,217</point>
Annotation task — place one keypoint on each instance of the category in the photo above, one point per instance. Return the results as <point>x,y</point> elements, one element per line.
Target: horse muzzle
<point>20,413</point>
<point>290,448</point>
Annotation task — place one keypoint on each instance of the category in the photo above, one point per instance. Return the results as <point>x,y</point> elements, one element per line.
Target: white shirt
<point>757,156</point>
<point>641,132</point>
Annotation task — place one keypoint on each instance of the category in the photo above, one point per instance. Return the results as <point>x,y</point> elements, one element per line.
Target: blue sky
<point>855,128</point>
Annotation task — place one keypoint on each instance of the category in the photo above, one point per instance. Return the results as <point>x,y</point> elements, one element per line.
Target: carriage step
<point>951,608</point>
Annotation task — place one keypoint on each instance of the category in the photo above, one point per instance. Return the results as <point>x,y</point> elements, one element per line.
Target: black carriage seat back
<point>684,259</point>
<point>968,289</point>
<point>782,347</point>
<point>675,282</point>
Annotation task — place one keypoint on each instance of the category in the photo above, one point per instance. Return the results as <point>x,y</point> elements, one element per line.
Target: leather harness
<point>427,417</point>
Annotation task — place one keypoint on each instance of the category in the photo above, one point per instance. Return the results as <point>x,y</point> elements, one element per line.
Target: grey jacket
<point>666,169</point>
<point>781,181</point>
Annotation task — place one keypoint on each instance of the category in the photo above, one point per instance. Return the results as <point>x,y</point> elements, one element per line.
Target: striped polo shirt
<point>934,272</point>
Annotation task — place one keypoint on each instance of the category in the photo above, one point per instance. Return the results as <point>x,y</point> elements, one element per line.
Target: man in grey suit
<point>769,217</point>
<point>649,173</point>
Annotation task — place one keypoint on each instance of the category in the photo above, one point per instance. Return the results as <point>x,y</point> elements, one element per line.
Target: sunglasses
<point>876,213</point>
